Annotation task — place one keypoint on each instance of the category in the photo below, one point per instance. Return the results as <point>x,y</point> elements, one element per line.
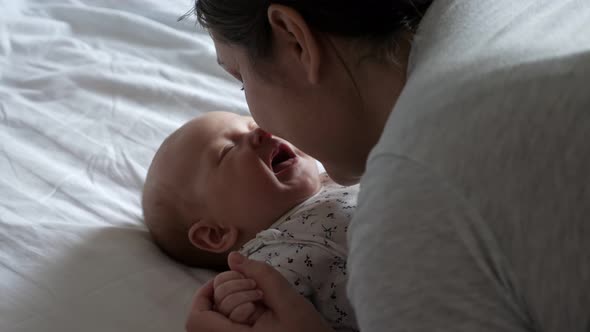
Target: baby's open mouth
<point>282,157</point>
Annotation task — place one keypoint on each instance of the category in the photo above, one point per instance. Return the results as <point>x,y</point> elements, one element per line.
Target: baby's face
<point>244,176</point>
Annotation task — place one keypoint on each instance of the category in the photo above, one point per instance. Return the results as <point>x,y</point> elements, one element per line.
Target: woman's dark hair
<point>245,22</point>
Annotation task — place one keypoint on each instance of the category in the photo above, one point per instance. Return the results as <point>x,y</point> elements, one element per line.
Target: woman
<point>474,198</point>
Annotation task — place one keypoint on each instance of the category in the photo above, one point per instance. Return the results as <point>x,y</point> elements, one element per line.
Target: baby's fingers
<point>230,287</point>
<point>242,313</point>
<point>258,312</point>
<point>226,276</point>
<point>233,301</point>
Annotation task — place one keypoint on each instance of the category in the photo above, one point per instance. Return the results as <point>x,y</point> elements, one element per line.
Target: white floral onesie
<point>308,246</point>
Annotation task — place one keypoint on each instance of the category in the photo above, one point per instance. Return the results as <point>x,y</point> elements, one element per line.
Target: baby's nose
<point>259,136</point>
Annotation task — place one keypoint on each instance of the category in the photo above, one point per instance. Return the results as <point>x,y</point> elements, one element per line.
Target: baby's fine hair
<point>170,230</point>
<point>169,226</point>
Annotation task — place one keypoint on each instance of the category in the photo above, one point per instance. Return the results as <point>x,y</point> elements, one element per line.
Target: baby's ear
<point>209,236</point>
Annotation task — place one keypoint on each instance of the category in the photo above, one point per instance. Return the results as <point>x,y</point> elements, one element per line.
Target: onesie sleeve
<point>318,275</point>
<point>287,259</point>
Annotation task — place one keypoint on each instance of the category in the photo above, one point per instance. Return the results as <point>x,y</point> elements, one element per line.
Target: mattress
<point>88,90</point>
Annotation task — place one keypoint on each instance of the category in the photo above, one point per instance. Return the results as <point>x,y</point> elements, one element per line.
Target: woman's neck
<point>380,82</point>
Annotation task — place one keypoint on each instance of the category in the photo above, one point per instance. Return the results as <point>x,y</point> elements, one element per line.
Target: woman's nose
<point>259,136</point>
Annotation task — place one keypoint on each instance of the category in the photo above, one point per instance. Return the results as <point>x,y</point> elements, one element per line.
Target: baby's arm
<point>236,297</point>
<point>317,274</point>
<point>289,260</point>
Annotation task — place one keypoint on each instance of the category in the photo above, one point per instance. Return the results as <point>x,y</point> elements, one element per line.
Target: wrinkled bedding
<point>88,90</point>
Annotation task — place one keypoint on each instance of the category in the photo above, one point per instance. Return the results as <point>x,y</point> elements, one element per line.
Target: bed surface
<point>88,90</point>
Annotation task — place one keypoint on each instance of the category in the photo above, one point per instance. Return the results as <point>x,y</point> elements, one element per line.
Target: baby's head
<point>218,181</point>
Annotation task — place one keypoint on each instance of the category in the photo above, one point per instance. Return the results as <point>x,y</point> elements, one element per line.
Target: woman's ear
<point>211,237</point>
<point>292,34</point>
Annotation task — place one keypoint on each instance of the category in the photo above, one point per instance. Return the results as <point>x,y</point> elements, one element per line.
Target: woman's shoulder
<point>481,85</point>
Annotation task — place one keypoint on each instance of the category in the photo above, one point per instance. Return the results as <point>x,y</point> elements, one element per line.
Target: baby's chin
<point>311,182</point>
<point>342,177</point>
<point>310,167</point>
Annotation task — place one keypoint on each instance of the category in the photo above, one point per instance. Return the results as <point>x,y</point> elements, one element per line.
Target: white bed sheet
<point>88,90</point>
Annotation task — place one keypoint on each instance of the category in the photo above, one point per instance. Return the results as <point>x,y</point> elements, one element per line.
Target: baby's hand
<point>235,297</point>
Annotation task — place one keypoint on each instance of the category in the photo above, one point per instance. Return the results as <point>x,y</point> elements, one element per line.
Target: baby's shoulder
<point>332,203</point>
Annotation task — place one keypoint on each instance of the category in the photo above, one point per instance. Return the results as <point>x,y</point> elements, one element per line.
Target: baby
<point>220,184</point>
